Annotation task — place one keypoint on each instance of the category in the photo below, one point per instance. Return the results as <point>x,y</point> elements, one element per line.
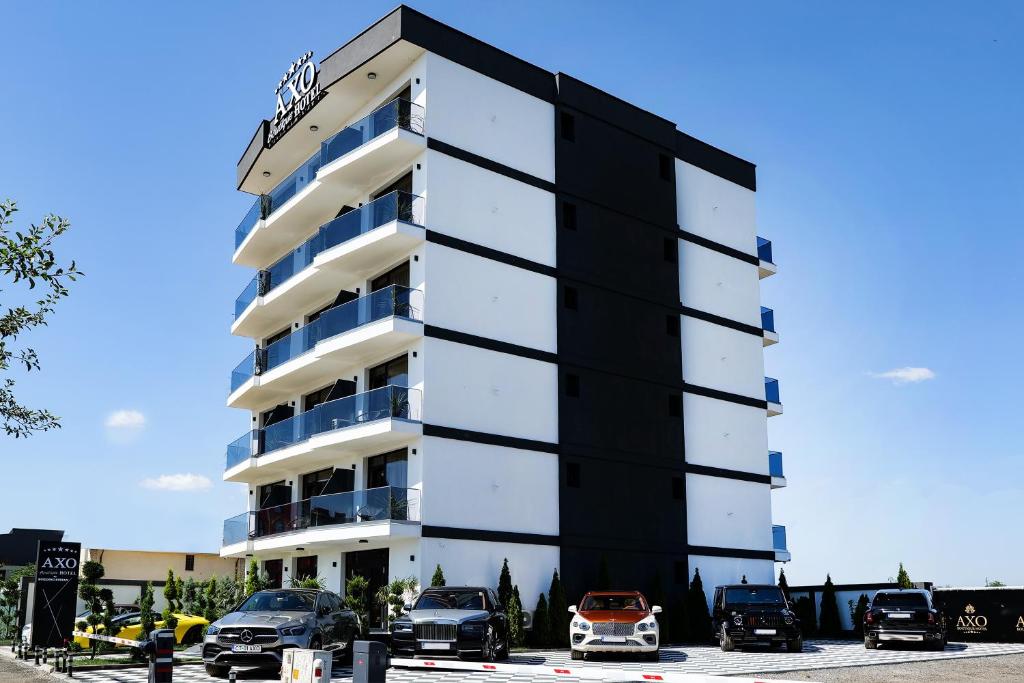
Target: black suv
<point>746,614</point>
<point>904,615</point>
<point>452,622</point>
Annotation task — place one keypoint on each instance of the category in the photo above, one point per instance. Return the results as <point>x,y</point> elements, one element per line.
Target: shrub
<point>903,578</point>
<point>698,619</point>
<point>558,614</point>
<point>357,600</point>
<point>540,634</point>
<point>857,614</point>
<point>504,584</point>
<point>514,610</point>
<point>829,624</point>
<point>804,608</point>
<point>438,578</point>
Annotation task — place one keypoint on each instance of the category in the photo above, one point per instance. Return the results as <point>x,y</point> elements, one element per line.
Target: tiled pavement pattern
<point>818,654</point>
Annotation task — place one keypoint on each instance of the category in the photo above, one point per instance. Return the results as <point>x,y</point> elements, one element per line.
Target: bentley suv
<point>268,622</point>
<point>904,615</point>
<point>453,622</point>
<point>750,614</point>
<point>616,622</point>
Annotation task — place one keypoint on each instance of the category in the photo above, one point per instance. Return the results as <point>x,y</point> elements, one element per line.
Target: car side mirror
<point>407,607</point>
<point>572,608</point>
<point>656,609</point>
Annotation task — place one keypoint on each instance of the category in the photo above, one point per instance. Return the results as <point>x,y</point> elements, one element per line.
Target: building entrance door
<point>372,565</point>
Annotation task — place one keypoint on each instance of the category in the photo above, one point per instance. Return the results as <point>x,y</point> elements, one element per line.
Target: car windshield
<point>900,601</point>
<point>613,603</point>
<point>279,601</point>
<point>451,600</point>
<point>765,595</point>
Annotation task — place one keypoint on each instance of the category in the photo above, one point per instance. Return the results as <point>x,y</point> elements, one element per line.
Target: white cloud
<point>126,419</point>
<point>906,375</point>
<point>177,482</point>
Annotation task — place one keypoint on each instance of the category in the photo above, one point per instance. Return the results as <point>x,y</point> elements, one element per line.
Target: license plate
<point>764,632</point>
<point>614,639</point>
<point>900,615</point>
<point>247,648</point>
<point>435,646</point>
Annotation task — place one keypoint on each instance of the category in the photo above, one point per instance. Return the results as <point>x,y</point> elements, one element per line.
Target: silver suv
<point>268,622</point>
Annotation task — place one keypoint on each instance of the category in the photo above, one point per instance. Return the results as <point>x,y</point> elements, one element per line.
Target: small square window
<point>572,385</point>
<point>677,488</point>
<point>570,298</point>
<point>568,126</point>
<point>568,216</point>
<point>674,405</point>
<point>190,563</point>
<point>671,247</point>
<point>672,325</point>
<point>665,166</point>
<point>572,475</point>
<point>681,574</point>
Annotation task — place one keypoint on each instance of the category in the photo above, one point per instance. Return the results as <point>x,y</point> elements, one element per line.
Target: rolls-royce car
<point>615,622</point>
<point>750,614</point>
<point>257,632</point>
<point>904,615</point>
<point>454,622</point>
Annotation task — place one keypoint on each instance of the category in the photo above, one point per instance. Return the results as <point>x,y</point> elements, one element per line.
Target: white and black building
<point>498,313</point>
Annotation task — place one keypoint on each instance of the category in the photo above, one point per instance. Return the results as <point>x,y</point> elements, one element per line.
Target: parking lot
<point>818,654</point>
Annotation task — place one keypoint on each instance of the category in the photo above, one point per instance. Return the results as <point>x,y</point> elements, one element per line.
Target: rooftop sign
<point>297,93</point>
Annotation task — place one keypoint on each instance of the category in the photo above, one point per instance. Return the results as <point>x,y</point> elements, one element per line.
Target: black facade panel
<point>652,573</point>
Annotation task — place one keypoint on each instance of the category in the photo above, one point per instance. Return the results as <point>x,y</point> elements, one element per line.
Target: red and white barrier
<point>593,673</point>
<point>108,639</point>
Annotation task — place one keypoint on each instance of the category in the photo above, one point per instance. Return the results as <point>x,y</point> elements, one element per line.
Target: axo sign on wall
<point>56,590</point>
<point>297,93</point>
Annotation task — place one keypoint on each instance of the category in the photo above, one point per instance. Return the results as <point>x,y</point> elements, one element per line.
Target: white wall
<point>724,434</point>
<point>479,486</point>
<point>719,357</point>
<point>467,293</point>
<point>715,208</point>
<point>486,391</point>
<point>728,513</point>
<point>715,283</point>
<point>490,209</point>
<point>720,571</point>
<point>842,600</point>
<point>486,117</point>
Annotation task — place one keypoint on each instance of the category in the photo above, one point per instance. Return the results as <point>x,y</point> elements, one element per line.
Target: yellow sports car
<point>190,628</point>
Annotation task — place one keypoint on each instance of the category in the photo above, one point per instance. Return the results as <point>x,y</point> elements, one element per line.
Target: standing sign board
<point>56,592</point>
<point>982,614</point>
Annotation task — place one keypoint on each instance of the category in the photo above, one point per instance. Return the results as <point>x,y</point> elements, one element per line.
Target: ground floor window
<point>305,567</point>
<point>275,572</point>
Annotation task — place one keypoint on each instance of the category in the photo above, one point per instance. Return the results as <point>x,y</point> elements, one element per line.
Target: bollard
<point>46,654</point>
<point>37,657</point>
<point>232,676</point>
<point>19,654</point>
<point>71,665</point>
<point>161,656</point>
<point>369,662</point>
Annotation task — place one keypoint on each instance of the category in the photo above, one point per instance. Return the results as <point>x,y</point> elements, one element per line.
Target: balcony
<point>771,394</point>
<point>373,326</point>
<point>347,163</point>
<point>779,543</point>
<point>346,248</point>
<point>775,469</point>
<point>377,420</point>
<point>766,266</point>
<point>768,333</point>
<point>334,518</point>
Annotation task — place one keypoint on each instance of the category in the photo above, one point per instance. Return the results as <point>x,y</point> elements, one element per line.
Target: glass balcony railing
<point>775,464</point>
<point>395,114</point>
<point>392,301</point>
<point>779,538</point>
<point>353,507</point>
<point>236,529</point>
<point>394,206</point>
<point>764,250</point>
<point>771,390</point>
<point>767,319</point>
<point>243,448</point>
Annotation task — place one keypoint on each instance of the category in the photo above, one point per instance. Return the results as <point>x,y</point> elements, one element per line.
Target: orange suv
<point>614,621</point>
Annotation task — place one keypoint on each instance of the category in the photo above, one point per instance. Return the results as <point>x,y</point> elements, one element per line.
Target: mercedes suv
<point>268,622</point>
<point>750,614</point>
<point>904,615</point>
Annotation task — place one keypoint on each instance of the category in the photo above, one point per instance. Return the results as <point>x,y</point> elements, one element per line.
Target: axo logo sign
<point>971,622</point>
<point>296,94</point>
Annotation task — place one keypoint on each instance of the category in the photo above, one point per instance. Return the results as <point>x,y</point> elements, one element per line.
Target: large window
<point>305,567</point>
<point>389,469</point>
<point>399,275</point>
<point>314,482</point>
<point>393,372</point>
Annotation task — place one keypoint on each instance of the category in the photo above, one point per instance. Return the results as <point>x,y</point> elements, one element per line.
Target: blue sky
<point>888,143</point>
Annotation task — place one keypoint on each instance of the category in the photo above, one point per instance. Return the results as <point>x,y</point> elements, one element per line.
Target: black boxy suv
<point>904,615</point>
<point>746,614</point>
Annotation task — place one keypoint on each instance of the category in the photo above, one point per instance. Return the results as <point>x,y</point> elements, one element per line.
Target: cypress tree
<point>171,595</point>
<point>541,631</point>
<point>829,624</point>
<point>146,611</point>
<point>505,584</point>
<point>903,578</point>
<point>604,581</point>
<point>558,615</point>
<point>698,618</point>
<point>514,609</point>
<point>210,611</point>
<point>438,578</point>
<point>858,615</point>
<point>808,619</point>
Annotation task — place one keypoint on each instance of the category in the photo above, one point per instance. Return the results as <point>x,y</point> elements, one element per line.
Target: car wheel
<point>795,645</point>
<point>577,655</point>
<point>217,671</point>
<point>726,641</point>
<point>870,644</point>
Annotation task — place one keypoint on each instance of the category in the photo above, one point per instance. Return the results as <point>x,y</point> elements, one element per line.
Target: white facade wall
<point>712,207</point>
<point>725,434</point>
<point>719,357</point>
<point>728,513</point>
<point>712,282</point>
<point>720,571</point>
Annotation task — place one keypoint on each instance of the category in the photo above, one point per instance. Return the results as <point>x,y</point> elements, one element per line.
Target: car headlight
<point>642,627</point>
<point>582,625</point>
<point>294,630</point>
<point>654,624</point>
<point>212,630</point>
<point>738,620</point>
<point>404,627</point>
<point>475,628</point>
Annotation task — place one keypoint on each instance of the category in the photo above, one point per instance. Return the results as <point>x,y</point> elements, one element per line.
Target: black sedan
<point>905,616</point>
<point>452,622</point>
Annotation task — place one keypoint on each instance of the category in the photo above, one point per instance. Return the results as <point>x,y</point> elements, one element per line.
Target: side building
<point>498,313</point>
